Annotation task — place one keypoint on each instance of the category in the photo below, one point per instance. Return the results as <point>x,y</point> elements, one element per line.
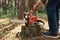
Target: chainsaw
<point>32,26</point>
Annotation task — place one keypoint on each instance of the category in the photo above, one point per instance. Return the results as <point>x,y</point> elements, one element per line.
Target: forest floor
<point>12,34</point>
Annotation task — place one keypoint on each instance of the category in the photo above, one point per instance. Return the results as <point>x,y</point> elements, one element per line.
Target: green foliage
<point>10,9</point>
<point>1,12</point>
<point>42,15</point>
<point>41,10</point>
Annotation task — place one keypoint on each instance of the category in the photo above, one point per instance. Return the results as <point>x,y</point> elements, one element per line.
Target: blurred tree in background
<point>21,7</point>
<point>16,8</point>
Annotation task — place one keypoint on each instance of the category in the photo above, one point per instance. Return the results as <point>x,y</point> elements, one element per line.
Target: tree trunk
<point>16,6</point>
<point>21,7</point>
<point>16,2</point>
<point>4,6</point>
<point>0,4</point>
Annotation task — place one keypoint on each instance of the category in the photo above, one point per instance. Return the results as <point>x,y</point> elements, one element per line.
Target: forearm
<point>37,5</point>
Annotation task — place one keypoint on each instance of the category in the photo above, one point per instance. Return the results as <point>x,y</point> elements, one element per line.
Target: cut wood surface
<point>4,21</point>
<point>7,26</point>
<point>6,29</point>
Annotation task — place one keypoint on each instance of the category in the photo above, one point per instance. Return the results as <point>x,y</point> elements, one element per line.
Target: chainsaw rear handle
<point>41,21</point>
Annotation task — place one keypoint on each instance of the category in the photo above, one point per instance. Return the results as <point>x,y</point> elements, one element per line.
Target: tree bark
<point>4,6</point>
<point>21,7</point>
<point>0,4</point>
